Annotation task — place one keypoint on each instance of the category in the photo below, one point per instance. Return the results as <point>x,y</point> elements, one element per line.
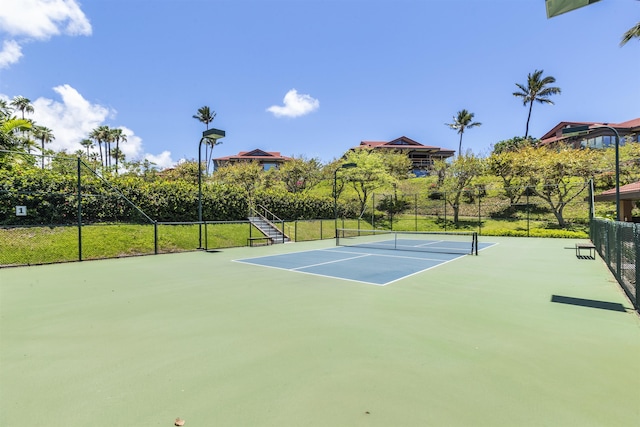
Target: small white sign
<point>21,211</point>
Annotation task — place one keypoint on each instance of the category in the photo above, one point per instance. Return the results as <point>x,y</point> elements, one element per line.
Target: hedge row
<point>51,199</point>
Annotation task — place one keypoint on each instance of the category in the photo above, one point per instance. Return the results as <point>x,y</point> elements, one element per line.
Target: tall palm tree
<point>461,122</point>
<point>5,110</point>
<point>118,135</point>
<point>44,134</point>
<point>633,33</point>
<point>537,89</point>
<point>206,116</point>
<point>100,135</point>
<point>87,143</point>
<point>22,104</point>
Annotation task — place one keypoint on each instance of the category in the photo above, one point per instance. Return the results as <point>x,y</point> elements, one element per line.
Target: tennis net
<point>448,242</point>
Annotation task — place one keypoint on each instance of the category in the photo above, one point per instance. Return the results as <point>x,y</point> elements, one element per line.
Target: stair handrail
<point>270,217</point>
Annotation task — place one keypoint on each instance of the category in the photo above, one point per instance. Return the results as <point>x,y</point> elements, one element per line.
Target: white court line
<point>295,270</point>
<point>398,256</point>
<point>332,262</point>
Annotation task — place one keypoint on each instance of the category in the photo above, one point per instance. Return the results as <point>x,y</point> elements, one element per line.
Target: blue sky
<point>311,77</point>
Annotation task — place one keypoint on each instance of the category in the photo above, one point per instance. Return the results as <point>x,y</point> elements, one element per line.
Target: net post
<point>155,237</point>
<point>206,239</point>
<point>475,244</point>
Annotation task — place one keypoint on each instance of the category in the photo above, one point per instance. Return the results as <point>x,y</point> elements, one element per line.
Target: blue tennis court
<point>378,263</point>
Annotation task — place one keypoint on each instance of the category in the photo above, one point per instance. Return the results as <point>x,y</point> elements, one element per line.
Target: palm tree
<point>537,89</point>
<point>44,134</point>
<point>100,135</point>
<point>633,33</point>
<point>5,110</point>
<point>23,104</point>
<point>8,128</point>
<point>118,135</point>
<point>87,143</point>
<point>461,122</point>
<point>206,116</point>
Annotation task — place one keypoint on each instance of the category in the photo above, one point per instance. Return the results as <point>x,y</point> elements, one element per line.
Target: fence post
<point>618,233</point>
<point>79,210</point>
<point>479,215</point>
<point>528,213</point>
<point>155,237</point>
<point>636,233</point>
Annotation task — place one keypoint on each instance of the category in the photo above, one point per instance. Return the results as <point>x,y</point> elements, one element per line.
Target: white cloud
<point>295,105</point>
<point>40,20</point>
<point>73,119</point>
<point>162,160</point>
<point>10,54</point>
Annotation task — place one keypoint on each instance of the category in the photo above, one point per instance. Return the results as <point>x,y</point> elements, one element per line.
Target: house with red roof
<point>266,159</point>
<point>422,156</point>
<point>598,136</point>
<point>629,194</point>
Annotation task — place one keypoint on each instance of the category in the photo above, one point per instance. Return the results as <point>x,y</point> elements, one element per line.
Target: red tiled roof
<point>403,143</point>
<point>551,136</point>
<point>256,154</point>
<point>629,124</point>
<point>627,192</point>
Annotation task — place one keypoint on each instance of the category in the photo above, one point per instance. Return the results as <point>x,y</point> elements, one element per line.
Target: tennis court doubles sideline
<point>379,258</point>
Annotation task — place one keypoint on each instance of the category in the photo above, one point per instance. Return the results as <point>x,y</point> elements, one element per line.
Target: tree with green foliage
<point>88,144</point>
<point>397,164</point>
<point>462,121</point>
<point>8,128</point>
<point>101,135</point>
<point>299,174</point>
<point>393,205</point>
<point>117,135</point>
<point>557,175</point>
<point>370,173</point>
<point>514,144</point>
<point>630,34</point>
<point>45,135</point>
<point>248,176</point>
<point>629,161</point>
<point>5,110</point>
<point>536,89</point>
<point>186,170</point>
<point>505,165</point>
<point>22,104</point>
<point>457,177</point>
<point>206,115</point>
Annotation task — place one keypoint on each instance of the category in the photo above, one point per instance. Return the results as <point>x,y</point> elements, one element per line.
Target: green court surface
<point>525,334</point>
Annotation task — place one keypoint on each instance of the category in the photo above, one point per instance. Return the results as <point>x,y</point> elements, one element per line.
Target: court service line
<point>399,256</point>
<point>332,262</point>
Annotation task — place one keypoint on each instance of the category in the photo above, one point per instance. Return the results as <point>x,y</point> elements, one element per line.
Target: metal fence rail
<point>618,243</point>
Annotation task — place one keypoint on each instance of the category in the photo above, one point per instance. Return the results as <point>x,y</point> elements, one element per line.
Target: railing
<point>271,218</point>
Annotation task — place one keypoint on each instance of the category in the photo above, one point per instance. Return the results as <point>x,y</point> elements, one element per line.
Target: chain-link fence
<point>514,211</point>
<point>61,209</point>
<point>65,211</point>
<point>618,243</point>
